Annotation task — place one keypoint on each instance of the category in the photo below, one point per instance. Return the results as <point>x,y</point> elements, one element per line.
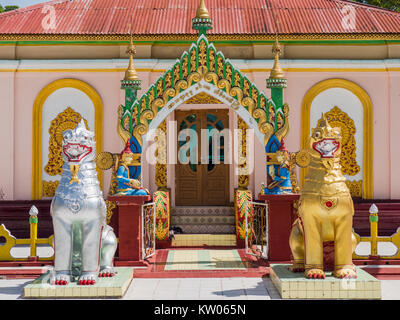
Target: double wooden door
<point>201,175</point>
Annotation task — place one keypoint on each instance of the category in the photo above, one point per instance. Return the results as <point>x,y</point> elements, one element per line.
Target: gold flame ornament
<point>276,72</point>
<point>202,11</point>
<point>130,73</point>
<point>74,173</point>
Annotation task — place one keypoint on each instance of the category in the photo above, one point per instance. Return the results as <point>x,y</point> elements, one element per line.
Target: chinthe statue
<point>84,244</point>
<point>325,208</point>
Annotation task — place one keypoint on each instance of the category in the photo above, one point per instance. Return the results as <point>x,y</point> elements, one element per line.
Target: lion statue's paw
<point>61,278</point>
<point>314,274</point>
<point>345,273</point>
<point>87,278</point>
<point>107,272</point>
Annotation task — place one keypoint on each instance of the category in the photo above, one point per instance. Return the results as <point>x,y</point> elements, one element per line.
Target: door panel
<point>188,177</point>
<point>199,181</point>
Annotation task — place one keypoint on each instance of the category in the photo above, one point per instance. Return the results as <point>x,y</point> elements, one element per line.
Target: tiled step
<point>204,220</point>
<point>202,211</point>
<point>184,220</point>
<point>196,240</point>
<point>206,228</point>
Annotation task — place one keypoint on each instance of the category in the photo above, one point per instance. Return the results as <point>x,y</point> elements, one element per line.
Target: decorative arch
<point>201,69</point>
<point>37,126</point>
<point>365,100</point>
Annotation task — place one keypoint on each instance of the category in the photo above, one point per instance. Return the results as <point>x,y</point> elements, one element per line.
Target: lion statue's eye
<point>317,135</point>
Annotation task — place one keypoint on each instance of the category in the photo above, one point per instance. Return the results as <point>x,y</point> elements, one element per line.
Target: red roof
<point>96,17</point>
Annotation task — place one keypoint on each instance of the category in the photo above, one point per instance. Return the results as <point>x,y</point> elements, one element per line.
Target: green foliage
<point>7,8</point>
<point>393,5</point>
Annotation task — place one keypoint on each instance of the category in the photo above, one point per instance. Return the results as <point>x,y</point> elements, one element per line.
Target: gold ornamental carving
<point>203,98</point>
<point>161,153</point>
<point>104,160</point>
<point>49,188</point>
<point>355,188</point>
<point>337,118</point>
<point>68,119</point>
<point>111,205</point>
<point>123,38</point>
<point>243,179</point>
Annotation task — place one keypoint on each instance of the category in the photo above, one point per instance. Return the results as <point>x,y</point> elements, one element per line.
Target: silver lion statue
<point>84,244</point>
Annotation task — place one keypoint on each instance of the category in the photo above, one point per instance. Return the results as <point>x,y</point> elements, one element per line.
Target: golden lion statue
<point>325,208</point>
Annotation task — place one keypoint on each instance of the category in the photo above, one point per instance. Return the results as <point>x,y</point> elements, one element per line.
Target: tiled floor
<point>202,289</point>
<point>235,285</point>
<point>195,289</point>
<point>203,260</point>
<point>202,263</point>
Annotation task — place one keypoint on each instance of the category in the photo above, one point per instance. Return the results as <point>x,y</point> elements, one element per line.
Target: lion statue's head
<point>325,141</point>
<point>78,147</point>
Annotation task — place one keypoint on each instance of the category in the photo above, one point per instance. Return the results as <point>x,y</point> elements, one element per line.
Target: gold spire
<point>202,12</point>
<point>276,72</point>
<point>130,73</point>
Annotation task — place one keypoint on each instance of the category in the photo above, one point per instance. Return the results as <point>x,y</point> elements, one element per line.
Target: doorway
<point>201,174</point>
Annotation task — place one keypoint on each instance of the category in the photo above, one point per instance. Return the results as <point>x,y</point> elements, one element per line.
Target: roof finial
<point>130,73</point>
<point>276,72</point>
<point>202,12</point>
<point>202,21</point>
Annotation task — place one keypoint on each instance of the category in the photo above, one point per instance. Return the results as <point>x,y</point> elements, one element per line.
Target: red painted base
<point>142,263</point>
<point>163,244</point>
<point>384,273</point>
<point>22,273</point>
<point>16,264</point>
<point>281,216</point>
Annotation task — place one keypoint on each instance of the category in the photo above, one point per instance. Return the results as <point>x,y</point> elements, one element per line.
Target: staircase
<point>210,226</point>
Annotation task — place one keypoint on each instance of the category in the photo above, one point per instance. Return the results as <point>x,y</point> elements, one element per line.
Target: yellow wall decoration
<point>161,165</point>
<point>49,188</point>
<point>243,179</point>
<point>355,188</point>
<point>338,118</point>
<point>367,165</point>
<point>37,126</point>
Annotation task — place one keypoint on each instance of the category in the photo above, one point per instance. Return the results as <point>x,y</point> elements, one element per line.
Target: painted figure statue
<point>325,208</point>
<point>278,168</point>
<point>84,244</point>
<point>126,185</point>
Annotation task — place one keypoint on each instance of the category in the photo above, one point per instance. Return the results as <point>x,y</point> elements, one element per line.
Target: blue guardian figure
<point>126,185</point>
<point>278,170</point>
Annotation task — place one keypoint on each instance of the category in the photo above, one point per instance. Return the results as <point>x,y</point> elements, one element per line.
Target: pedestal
<point>113,287</point>
<point>129,229</point>
<point>281,215</point>
<point>295,286</point>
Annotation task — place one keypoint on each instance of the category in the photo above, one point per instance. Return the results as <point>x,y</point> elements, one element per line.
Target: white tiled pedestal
<point>292,285</point>
<point>113,287</point>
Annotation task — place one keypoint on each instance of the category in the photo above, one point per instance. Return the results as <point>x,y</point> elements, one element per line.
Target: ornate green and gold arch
<point>201,62</point>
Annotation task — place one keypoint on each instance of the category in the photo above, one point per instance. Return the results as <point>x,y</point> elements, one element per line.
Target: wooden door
<point>199,180</point>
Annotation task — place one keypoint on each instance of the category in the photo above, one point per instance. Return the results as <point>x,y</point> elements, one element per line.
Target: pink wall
<point>27,86</point>
<point>394,116</point>
<point>16,122</point>
<point>7,140</point>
